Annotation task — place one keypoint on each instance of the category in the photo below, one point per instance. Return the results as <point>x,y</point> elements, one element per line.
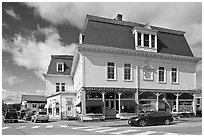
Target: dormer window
<point>145,38</point>
<point>60,67</point>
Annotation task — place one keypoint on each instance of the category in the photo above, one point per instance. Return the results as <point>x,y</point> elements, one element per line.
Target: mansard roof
<point>66,59</point>
<point>114,33</point>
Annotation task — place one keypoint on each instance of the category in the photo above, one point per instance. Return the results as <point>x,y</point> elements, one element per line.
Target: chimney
<point>119,17</point>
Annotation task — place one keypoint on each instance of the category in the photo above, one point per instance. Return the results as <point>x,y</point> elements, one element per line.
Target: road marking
<point>49,126</point>
<point>96,128</point>
<point>107,130</point>
<point>35,127</point>
<point>64,126</point>
<point>5,127</point>
<point>20,127</point>
<point>125,131</point>
<point>82,127</point>
<point>170,134</point>
<point>145,133</point>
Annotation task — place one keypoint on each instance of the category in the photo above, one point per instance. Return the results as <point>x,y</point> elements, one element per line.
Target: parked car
<point>151,118</point>
<point>11,116</point>
<point>28,116</point>
<point>40,116</point>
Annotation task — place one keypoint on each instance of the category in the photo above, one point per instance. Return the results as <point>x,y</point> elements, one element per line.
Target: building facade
<point>122,68</point>
<point>33,102</point>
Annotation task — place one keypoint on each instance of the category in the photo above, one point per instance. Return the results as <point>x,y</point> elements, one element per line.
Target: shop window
<point>147,95</point>
<point>111,71</point>
<point>57,108</point>
<point>127,95</point>
<point>186,96</point>
<point>95,94</point>
<point>50,111</point>
<point>111,95</point>
<point>94,109</point>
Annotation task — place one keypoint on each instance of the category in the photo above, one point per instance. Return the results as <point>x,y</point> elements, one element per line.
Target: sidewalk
<point>119,123</point>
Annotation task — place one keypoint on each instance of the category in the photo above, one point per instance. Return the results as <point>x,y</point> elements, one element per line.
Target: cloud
<point>11,79</point>
<point>11,97</point>
<point>12,13</point>
<point>35,54</point>
<point>175,15</point>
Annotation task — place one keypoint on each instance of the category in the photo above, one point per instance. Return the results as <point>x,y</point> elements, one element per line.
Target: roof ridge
<point>131,24</point>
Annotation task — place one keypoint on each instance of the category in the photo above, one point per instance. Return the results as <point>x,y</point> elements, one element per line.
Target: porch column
<point>177,102</point>
<point>119,97</point>
<point>103,98</point>
<point>83,103</point>
<point>157,101</point>
<point>194,104</point>
<point>137,100</point>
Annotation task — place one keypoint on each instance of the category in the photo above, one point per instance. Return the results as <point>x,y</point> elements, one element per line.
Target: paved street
<point>99,128</point>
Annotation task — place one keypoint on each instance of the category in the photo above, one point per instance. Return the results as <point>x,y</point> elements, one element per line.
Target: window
<point>174,75</point>
<point>34,105</point>
<point>153,41</point>
<point>146,40</point>
<point>63,87</point>
<point>162,75</point>
<point>60,67</point>
<point>60,87</point>
<point>57,108</point>
<point>139,39</point>
<point>198,104</point>
<point>57,87</point>
<point>127,72</point>
<point>111,71</point>
<point>50,111</point>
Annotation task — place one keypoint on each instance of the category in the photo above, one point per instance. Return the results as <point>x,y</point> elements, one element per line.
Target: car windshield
<point>42,113</point>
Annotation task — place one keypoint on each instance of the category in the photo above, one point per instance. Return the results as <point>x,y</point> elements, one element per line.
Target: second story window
<point>127,72</point>
<point>63,87</point>
<point>174,75</point>
<point>146,40</point>
<point>111,71</point>
<point>162,75</point>
<point>60,67</point>
<point>60,87</point>
<point>57,87</point>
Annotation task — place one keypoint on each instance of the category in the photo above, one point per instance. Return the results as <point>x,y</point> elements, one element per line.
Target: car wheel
<point>142,123</point>
<point>167,122</point>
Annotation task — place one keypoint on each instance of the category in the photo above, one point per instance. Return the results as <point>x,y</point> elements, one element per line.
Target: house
<point>121,68</point>
<point>59,87</point>
<point>33,102</point>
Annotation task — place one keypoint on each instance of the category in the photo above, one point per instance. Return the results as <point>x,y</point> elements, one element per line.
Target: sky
<point>31,32</point>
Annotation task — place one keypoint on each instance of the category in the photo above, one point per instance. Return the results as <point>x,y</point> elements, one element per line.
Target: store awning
<point>128,103</point>
<point>94,103</point>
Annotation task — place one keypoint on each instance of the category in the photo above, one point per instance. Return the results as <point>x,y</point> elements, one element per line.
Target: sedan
<point>40,116</point>
<point>151,118</point>
<point>11,116</point>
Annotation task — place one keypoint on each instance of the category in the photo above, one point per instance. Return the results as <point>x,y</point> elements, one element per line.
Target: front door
<point>69,110</point>
<point>110,109</point>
